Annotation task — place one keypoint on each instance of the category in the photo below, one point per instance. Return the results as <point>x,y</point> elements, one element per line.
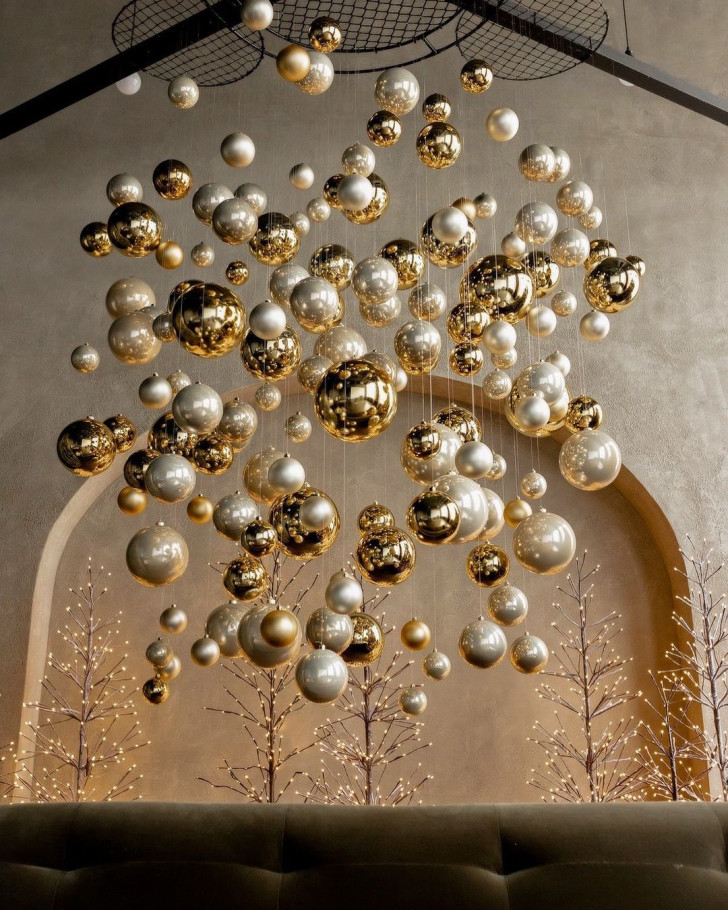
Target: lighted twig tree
<point>264,716</point>
<point>86,725</point>
<point>370,737</point>
<point>587,757</point>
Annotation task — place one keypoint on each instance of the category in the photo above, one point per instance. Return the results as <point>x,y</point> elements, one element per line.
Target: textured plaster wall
<point>657,173</point>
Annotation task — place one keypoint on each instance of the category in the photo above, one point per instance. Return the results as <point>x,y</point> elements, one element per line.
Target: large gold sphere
<point>376,208</point>
<point>433,517</point>
<point>86,447</point>
<point>293,63</point>
<point>503,285</point>
<point>374,517</point>
<point>447,255</point>
<point>466,359</point>
<point>135,467</point>
<point>275,241</point>
<point>334,263</point>
<point>271,359</point>
<point>386,557</point>
<point>172,179</point>
<point>367,643</point>
<point>487,565</point>
<point>599,249</point>
<point>208,319</point>
<point>612,285</point>
<point>583,413</point>
<point>259,538</point>
<point>237,272</point>
<point>294,539</point>
<point>355,400</point>
<point>95,239</point>
<point>135,229</point>
<point>166,438</point>
<point>200,509</point>
<point>463,421</point>
<point>415,635</point>
<point>467,322</point>
<point>384,129</point>
<point>123,431</point>
<point>545,273</point>
<point>246,578</point>
<point>438,145</point>
<point>325,35</point>
<point>213,454</point>
<point>436,108</point>
<point>407,259</point>
<point>476,76</point>
<point>131,501</point>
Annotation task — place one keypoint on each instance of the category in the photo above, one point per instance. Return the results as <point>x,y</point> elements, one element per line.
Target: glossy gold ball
<point>476,77</point>
<point>123,431</point>
<point>131,501</point>
<point>325,35</point>
<point>294,539</point>
<point>423,440</point>
<point>166,438</point>
<point>275,241</point>
<point>200,509</point>
<point>487,565</point>
<point>374,517</point>
<point>86,447</point>
<point>95,239</point>
<point>433,517</point>
<point>246,578</point>
<point>545,273</point>
<point>334,263</point>
<point>136,466</point>
<point>172,179</point>
<point>384,129</point>
<point>135,229</point>
<point>436,108</point>
<point>156,691</point>
<point>376,208</point>
<point>271,359</point>
<point>447,255</point>
<point>612,285</point>
<point>407,259</point>
<point>367,643</point>
<point>638,264</point>
<point>466,359</point>
<point>293,63</point>
<point>280,628</point>
<point>515,511</point>
<point>355,400</point>
<point>213,454</point>
<point>415,635</point>
<point>467,207</point>
<point>584,413</point>
<point>169,254</point>
<point>237,272</point>
<point>501,284</point>
<point>208,319</point>
<point>467,322</point>
<point>463,421</point>
<point>331,191</point>
<point>599,249</point>
<point>259,538</point>
<point>438,145</point>
<point>386,557</point>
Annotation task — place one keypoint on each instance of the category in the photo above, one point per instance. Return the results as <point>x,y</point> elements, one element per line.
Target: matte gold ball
<point>415,635</point>
<point>487,565</point>
<point>355,400</point>
<point>501,284</point>
<point>294,539</point>
<point>246,578</point>
<point>367,643</point>
<point>237,272</point>
<point>208,319</point>
<point>384,129</point>
<point>123,431</point>
<point>172,179</point>
<point>200,509</point>
<point>476,77</point>
<point>612,285</point>
<point>436,108</point>
<point>86,447</point>
<point>325,35</point>
<point>169,254</point>
<point>271,359</point>
<point>275,241</point>
<point>95,239</point>
<point>280,628</point>
<point>433,517</point>
<point>467,207</point>
<point>131,501</point>
<point>259,538</point>
<point>293,63</point>
<point>438,145</point>
<point>463,421</point>
<point>135,229</point>
<point>515,511</point>
<point>213,454</point>
<point>334,263</point>
<point>155,691</point>
<point>583,413</point>
<point>386,557</point>
<point>374,517</point>
<point>407,259</point>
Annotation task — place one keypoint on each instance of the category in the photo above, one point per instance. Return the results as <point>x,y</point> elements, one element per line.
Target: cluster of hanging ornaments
<point>354,389</point>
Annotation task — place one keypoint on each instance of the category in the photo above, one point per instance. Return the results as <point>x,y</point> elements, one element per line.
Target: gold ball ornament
<point>208,319</point>
<point>467,322</point>
<point>436,108</point>
<point>246,578</point>
<point>293,63</point>
<point>407,259</point>
<point>501,284</point>
<point>447,255</point>
<point>537,162</point>
<point>200,509</point>
<point>384,129</point>
<point>166,438</point>
<point>213,454</point>
<point>638,264</point>
<point>612,285</point>
<point>476,77</point>
<point>367,642</point>
<point>280,628</point>
<point>436,665</point>
<point>131,338</point>
<point>312,370</point>
<point>157,555</point>
<point>85,358</point>
<point>466,359</point>
<point>423,440</point>
<point>599,249</point>
<point>271,359</point>
<point>334,263</point>
<point>544,272</point>
<point>131,501</point>
<point>433,517</point>
<point>386,557</point>
<point>86,447</point>
<point>172,669</point>
<point>355,400</point>
<point>515,511</point>
<point>256,648</point>
<point>487,565</point>
<point>169,254</point>
<point>255,475</point>
<point>374,517</point>
<point>467,207</point>
<point>294,539</point>
<point>172,179</point>
<point>259,538</point>
<point>438,145</point>
<point>123,431</point>
<point>203,255</point>
<point>331,191</point>
<point>237,272</point>
<point>136,466</point>
<point>376,208</point>
<point>268,396</point>
<point>584,413</point>
<point>529,654</point>
<point>415,635</point>
<point>156,691</point>
<point>417,345</point>
<point>135,229</point>
<point>325,35</point>
<point>462,421</point>
<point>275,241</point>
<point>95,240</point>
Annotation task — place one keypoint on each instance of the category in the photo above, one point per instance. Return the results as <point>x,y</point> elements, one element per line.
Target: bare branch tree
<point>84,717</point>
<point>587,758</point>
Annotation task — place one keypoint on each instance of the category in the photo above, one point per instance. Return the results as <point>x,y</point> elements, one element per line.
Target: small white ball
<point>532,412</point>
<point>497,385</point>
<point>267,320</point>
<point>400,383</point>
<point>502,124</point>
<point>513,246</point>
<point>473,459</point>
<point>237,150</point>
<point>485,206</point>
<point>449,225</point>
<point>499,337</point>
<point>316,513</point>
<point>358,159</point>
<point>286,475</point>
<point>256,14</point>
<point>301,176</point>
<point>594,326</point>
<point>343,592</point>
<point>318,210</point>
<point>183,92</point>
<point>268,396</point>
<point>300,222</point>
<point>85,358</point>
<point>155,392</point>
<point>130,85</point>
<point>561,361</point>
<point>355,192</point>
<point>504,360</point>
<point>564,303</point>
<point>540,321</point>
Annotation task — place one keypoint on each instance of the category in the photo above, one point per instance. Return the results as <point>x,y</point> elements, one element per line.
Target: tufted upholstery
<point>147,856</point>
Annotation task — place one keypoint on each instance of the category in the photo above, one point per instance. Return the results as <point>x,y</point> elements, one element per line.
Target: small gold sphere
<point>200,509</point>
<point>467,206</point>
<point>95,239</point>
<point>638,263</point>
<point>503,285</point>
<point>165,437</point>
<point>86,447</point>
<point>172,179</point>
<point>376,208</point>
<point>123,431</point>
<point>463,421</point>
<point>135,229</point>
<point>487,565</point>
<point>515,511</point>
<point>367,643</point>
<point>439,145</point>
<point>259,538</point>
<point>294,539</point>
<point>407,259</point>
<point>279,628</point>
<point>155,691</point>
<point>384,129</point>
<point>293,63</point>
<point>466,359</point>
<point>545,273</point>
<point>423,440</point>
<point>583,413</point>
<point>271,359</point>
<point>415,635</point>
<point>237,272</point>
<point>612,285</point>
<point>374,518</point>
<point>433,517</point>
<point>135,467</point>
<point>276,241</point>
<point>333,262</point>
<point>476,77</point>
<point>599,249</point>
<point>467,322</point>
<point>325,35</point>
<point>169,254</point>
<point>355,400</point>
<point>131,501</point>
<point>436,108</point>
<point>246,578</point>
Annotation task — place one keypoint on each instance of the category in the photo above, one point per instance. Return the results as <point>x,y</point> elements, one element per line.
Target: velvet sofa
<point>164,856</point>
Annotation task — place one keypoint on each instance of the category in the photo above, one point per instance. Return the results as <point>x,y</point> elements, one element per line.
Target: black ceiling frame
<point>226,14</point>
